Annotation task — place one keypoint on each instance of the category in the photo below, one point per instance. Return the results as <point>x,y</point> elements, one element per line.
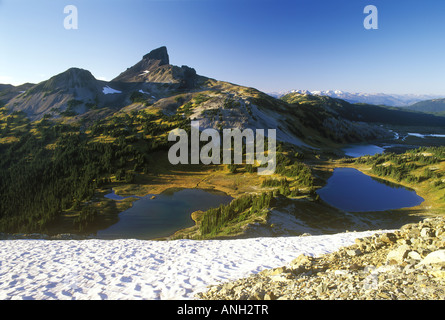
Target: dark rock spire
<point>158,54</point>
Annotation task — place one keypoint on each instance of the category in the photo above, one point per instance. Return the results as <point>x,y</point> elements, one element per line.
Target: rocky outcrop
<point>155,68</point>
<point>158,54</point>
<point>408,263</point>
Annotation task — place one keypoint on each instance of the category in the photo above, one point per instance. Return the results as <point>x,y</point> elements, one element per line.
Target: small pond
<point>163,215</point>
<point>350,190</point>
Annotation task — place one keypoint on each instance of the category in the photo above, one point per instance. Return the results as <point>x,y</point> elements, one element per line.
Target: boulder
<point>434,257</point>
<point>398,255</point>
<point>354,252</point>
<point>426,232</point>
<point>414,255</point>
<point>301,260</point>
<point>388,238</point>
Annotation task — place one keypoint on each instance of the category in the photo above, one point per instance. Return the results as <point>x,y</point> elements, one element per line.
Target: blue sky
<point>271,45</point>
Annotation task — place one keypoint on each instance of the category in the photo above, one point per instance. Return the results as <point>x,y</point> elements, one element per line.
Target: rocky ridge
<point>406,264</point>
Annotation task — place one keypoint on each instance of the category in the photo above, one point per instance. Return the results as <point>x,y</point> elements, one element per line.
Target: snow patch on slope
<point>108,90</point>
<point>141,269</point>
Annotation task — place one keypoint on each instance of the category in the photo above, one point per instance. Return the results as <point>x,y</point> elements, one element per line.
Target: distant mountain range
<point>392,100</point>
<point>431,106</point>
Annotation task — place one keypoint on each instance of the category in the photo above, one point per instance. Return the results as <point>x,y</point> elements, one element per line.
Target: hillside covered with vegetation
<point>47,168</point>
<point>68,140</point>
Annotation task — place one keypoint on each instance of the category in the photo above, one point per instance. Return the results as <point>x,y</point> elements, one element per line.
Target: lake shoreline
<point>219,180</point>
<point>354,186</point>
<point>159,216</point>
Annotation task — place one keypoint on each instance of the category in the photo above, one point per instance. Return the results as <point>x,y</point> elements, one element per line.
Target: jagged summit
<point>143,70</point>
<point>155,68</point>
<point>158,54</point>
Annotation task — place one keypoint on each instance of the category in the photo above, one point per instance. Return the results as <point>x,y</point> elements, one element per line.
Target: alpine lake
<point>348,189</point>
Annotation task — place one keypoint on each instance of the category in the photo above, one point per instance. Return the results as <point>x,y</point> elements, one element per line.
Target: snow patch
<point>108,90</point>
<point>140,269</point>
<point>420,135</point>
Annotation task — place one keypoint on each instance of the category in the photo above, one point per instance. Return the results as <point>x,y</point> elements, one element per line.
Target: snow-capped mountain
<point>393,100</point>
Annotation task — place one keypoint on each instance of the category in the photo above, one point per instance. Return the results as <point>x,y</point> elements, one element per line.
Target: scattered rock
<point>301,260</point>
<point>440,274</point>
<point>270,296</point>
<point>408,263</point>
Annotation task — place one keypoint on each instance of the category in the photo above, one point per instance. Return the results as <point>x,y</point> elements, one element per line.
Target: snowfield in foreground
<point>138,269</point>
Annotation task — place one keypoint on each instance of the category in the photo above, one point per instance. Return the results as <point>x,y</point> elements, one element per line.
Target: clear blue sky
<point>271,45</point>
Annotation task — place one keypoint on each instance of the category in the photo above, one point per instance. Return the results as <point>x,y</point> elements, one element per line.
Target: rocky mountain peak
<point>155,68</point>
<point>158,54</point>
<point>151,62</point>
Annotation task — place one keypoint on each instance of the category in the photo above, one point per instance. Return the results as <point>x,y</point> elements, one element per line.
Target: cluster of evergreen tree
<point>270,182</point>
<point>298,170</point>
<point>398,173</point>
<point>283,187</point>
<point>59,167</point>
<point>420,155</point>
<point>239,209</point>
<point>401,167</point>
<point>129,125</point>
